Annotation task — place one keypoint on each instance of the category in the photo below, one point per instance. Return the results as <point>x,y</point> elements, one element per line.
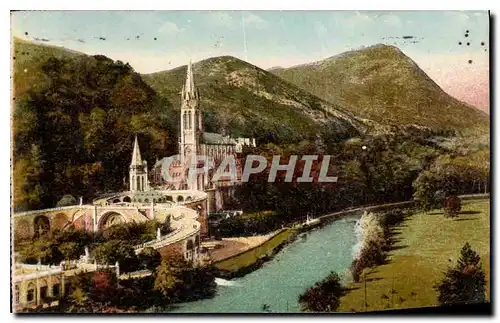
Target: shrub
<point>465,283</point>
<point>66,200</point>
<point>452,205</point>
<point>371,252</point>
<point>149,258</point>
<point>324,296</point>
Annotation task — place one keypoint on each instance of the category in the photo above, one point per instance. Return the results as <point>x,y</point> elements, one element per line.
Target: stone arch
<point>127,199</point>
<point>41,225</point>
<point>180,198</point>
<point>169,198</point>
<point>60,221</point>
<point>117,200</point>
<point>189,198</point>
<point>109,219</point>
<point>146,200</point>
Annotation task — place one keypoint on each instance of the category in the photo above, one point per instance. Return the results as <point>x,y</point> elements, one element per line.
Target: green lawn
<point>426,244</point>
<point>250,257</point>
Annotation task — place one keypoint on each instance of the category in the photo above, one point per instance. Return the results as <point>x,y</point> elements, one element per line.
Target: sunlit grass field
<point>426,244</point>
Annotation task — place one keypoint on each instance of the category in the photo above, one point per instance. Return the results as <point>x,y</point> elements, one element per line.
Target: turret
<point>138,173</point>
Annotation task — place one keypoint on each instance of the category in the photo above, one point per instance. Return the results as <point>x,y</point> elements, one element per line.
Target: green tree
<point>149,258</point>
<point>425,187</point>
<point>452,205</point>
<point>70,250</point>
<point>66,200</point>
<point>114,251</point>
<point>465,283</point>
<point>324,296</point>
<point>166,280</point>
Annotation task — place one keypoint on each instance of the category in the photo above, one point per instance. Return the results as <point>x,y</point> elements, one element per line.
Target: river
<point>278,284</point>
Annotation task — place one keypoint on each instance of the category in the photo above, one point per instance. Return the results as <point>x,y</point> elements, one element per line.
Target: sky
<point>152,41</point>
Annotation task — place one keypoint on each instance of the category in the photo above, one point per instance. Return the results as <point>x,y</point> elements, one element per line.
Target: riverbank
<point>230,247</point>
<point>252,258</point>
<point>425,245</point>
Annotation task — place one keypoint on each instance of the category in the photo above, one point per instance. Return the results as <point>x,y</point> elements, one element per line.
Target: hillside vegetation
<point>383,84</point>
<point>74,121</point>
<point>241,99</point>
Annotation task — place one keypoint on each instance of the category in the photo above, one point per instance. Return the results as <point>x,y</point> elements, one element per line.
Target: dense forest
<point>399,166</point>
<point>73,131</point>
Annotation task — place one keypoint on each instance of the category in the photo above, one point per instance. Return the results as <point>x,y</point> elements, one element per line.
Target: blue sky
<point>266,38</point>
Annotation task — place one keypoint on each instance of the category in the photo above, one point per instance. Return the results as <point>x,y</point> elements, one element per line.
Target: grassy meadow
<point>426,244</point>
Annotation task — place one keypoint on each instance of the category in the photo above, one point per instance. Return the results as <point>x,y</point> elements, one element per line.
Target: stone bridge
<point>87,217</point>
<point>31,224</point>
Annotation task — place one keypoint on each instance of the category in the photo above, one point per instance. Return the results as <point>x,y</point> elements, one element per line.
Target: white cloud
<point>252,20</point>
<point>170,28</point>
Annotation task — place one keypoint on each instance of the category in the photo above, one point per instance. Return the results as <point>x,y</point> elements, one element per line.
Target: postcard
<point>250,161</point>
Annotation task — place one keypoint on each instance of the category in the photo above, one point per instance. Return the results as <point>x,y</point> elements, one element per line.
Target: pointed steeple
<point>189,89</point>
<point>136,154</point>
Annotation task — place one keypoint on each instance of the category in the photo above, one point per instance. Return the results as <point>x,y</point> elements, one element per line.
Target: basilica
<point>193,142</point>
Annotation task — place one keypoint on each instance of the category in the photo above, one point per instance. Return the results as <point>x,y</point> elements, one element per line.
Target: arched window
<point>138,184</point>
<point>180,198</point>
<point>184,120</point>
<point>190,121</point>
<point>146,201</point>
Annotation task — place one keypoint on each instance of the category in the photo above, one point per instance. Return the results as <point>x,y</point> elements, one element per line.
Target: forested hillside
<point>74,121</point>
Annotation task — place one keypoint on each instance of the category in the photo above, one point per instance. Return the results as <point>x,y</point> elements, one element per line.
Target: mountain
<point>241,99</point>
<point>28,59</point>
<point>74,121</point>
<point>383,84</point>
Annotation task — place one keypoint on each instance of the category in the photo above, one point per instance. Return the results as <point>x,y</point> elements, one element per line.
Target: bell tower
<point>191,123</point>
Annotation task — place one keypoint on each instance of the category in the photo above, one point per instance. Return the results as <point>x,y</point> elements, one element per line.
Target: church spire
<point>136,154</point>
<point>189,89</point>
